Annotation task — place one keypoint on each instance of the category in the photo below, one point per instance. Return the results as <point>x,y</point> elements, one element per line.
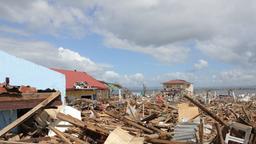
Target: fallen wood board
<point>130,122</point>
<point>160,141</point>
<point>60,134</point>
<point>82,124</point>
<point>120,136</point>
<point>29,113</point>
<point>186,112</point>
<point>13,142</point>
<point>77,140</point>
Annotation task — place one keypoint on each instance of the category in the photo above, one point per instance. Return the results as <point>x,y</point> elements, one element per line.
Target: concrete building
<point>23,72</point>
<point>178,84</point>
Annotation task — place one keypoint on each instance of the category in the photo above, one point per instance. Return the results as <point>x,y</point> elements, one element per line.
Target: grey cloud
<point>151,25</point>
<point>45,17</point>
<point>235,77</point>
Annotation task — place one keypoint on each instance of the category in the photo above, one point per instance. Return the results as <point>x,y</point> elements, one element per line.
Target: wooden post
<point>219,132</point>
<point>29,113</point>
<point>201,131</point>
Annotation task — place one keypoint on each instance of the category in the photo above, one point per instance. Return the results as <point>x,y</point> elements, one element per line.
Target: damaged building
<point>21,74</point>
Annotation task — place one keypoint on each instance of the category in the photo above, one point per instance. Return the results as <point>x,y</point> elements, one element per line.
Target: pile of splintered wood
<point>143,118</point>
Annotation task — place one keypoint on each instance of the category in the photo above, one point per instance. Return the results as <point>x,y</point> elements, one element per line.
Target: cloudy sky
<point>209,43</point>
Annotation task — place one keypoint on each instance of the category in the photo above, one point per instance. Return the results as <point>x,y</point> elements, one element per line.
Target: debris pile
<point>136,120</point>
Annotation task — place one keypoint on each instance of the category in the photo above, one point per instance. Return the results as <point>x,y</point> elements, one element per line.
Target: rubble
<point>134,120</point>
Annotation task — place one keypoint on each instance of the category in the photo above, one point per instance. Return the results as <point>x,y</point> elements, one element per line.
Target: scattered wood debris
<point>137,121</point>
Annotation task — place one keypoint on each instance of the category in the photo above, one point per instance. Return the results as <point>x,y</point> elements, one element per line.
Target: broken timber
<point>29,113</point>
<point>206,110</point>
<point>82,124</point>
<point>130,122</point>
<point>60,134</point>
<point>219,133</point>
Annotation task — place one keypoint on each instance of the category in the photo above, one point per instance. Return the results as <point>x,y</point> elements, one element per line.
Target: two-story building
<point>178,84</point>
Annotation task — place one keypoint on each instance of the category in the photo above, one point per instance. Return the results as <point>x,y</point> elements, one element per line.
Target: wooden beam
<point>208,112</point>
<point>130,122</point>
<point>160,141</point>
<point>82,124</point>
<point>77,140</point>
<point>13,142</point>
<point>29,113</point>
<point>59,134</point>
<point>246,115</point>
<point>72,120</point>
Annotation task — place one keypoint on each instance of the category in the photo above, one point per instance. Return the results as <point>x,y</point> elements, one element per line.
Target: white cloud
<point>48,55</point>
<point>190,77</point>
<point>201,64</point>
<point>110,76</point>
<point>235,77</point>
<point>134,80</point>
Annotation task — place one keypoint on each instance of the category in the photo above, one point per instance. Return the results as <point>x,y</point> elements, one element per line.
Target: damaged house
<point>23,85</point>
<point>82,85</point>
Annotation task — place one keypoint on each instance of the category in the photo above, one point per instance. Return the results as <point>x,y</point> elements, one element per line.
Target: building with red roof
<point>178,84</point>
<point>81,84</point>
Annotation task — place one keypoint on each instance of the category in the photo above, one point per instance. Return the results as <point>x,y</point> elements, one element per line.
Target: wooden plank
<point>246,115</point>
<point>160,141</point>
<point>82,124</point>
<point>9,102</point>
<point>130,122</point>
<point>13,142</point>
<point>60,134</point>
<point>70,119</point>
<point>29,113</point>
<point>79,141</point>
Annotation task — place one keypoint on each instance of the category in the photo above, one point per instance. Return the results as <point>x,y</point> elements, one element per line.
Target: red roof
<point>76,76</point>
<point>177,81</point>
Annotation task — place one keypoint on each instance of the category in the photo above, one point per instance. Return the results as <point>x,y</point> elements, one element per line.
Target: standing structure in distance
<point>178,84</point>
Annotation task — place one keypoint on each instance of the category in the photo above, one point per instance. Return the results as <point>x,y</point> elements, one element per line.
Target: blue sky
<point>210,44</point>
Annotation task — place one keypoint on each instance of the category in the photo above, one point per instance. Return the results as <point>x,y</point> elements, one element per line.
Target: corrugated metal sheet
<point>76,76</point>
<point>185,132</point>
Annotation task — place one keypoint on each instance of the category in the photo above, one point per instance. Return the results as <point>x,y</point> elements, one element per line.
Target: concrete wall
<point>191,88</point>
<point>188,87</point>
<point>22,72</point>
